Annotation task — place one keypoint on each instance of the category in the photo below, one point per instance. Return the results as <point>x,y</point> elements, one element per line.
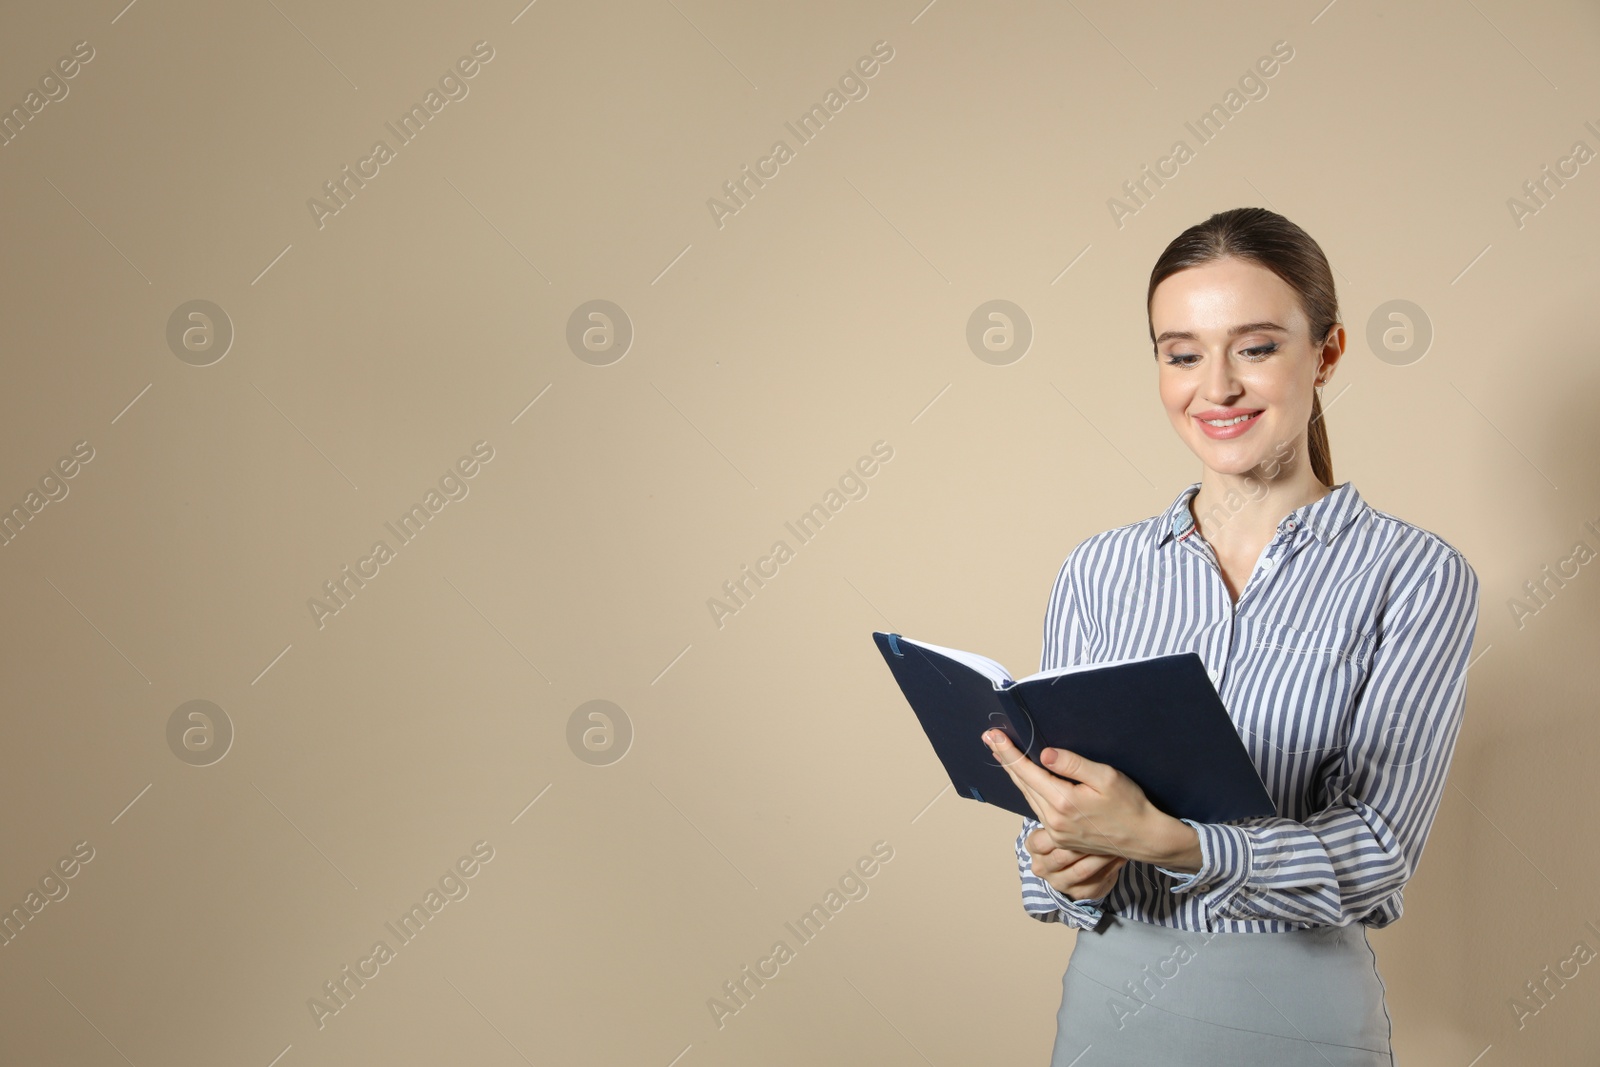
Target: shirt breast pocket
<point>1299,688</point>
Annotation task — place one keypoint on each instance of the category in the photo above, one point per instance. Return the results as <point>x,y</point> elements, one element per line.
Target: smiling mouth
<point>1220,423</point>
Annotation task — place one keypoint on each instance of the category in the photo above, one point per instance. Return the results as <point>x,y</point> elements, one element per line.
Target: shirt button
<point>1268,563</point>
<point>1215,674</point>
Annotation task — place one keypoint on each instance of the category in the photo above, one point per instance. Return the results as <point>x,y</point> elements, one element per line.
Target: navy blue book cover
<point>1158,720</point>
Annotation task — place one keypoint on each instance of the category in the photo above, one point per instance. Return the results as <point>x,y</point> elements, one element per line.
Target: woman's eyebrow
<point>1248,327</point>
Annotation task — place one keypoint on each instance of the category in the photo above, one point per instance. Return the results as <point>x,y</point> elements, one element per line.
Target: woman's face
<point>1231,339</point>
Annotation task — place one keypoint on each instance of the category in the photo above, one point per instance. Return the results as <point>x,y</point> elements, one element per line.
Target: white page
<point>1056,672</point>
<point>1001,678</point>
<point>982,664</point>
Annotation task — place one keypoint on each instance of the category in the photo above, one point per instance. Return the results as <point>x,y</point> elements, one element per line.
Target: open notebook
<point>1157,719</point>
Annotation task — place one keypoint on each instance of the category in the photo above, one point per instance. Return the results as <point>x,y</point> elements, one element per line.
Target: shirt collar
<point>1325,517</point>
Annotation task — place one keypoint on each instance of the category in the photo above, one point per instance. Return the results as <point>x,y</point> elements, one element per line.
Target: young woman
<point>1337,636</point>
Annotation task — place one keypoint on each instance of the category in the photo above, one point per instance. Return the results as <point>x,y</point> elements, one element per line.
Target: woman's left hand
<point>1099,810</point>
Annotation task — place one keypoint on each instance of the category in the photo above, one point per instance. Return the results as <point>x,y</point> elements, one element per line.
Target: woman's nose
<point>1220,383</point>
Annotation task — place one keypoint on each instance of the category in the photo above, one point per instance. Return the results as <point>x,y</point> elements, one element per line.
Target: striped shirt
<point>1343,666</point>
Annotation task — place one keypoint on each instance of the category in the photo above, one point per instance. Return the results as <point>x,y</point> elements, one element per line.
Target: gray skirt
<point>1139,994</point>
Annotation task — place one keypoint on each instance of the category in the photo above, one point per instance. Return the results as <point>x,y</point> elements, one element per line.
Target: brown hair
<point>1269,240</point>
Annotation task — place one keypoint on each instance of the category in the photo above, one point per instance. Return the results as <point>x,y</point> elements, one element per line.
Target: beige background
<point>769,754</point>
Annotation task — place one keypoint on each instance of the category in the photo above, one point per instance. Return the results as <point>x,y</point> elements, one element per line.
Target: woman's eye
<point>1188,359</point>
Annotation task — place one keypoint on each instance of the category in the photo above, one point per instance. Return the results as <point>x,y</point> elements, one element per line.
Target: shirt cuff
<point>1089,908</point>
<point>1224,860</point>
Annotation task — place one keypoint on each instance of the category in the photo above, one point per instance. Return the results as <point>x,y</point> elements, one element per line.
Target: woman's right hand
<point>1075,875</point>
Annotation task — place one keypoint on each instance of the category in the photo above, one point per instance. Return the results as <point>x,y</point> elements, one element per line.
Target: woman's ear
<point>1332,350</point>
